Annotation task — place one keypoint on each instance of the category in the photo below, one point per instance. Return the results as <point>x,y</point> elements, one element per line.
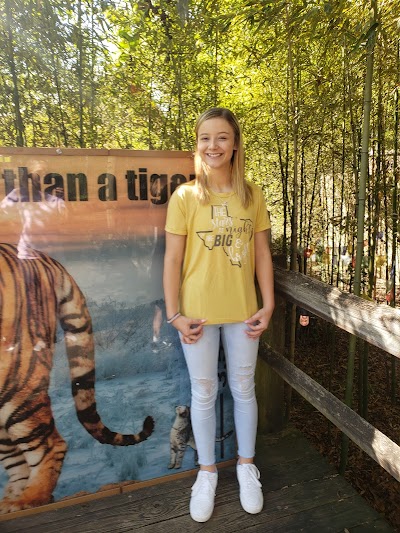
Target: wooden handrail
<point>377,324</point>
<point>377,445</point>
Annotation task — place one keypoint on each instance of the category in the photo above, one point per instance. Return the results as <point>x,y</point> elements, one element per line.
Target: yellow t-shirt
<point>219,263</point>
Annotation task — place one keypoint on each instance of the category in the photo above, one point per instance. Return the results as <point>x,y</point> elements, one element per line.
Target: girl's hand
<point>191,329</point>
<point>258,322</point>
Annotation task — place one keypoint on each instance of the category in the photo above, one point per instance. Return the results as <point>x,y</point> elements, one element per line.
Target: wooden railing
<point>377,324</point>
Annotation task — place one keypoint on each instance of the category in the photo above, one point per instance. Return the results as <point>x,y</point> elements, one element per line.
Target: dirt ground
<point>321,352</point>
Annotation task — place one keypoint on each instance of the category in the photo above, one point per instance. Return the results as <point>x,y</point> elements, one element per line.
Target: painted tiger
<point>34,294</point>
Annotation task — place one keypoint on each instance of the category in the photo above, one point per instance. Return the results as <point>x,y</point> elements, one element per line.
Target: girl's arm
<point>265,277</point>
<point>173,259</point>
<point>190,328</point>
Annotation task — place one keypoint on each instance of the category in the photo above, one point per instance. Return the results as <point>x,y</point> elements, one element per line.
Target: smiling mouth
<point>213,155</point>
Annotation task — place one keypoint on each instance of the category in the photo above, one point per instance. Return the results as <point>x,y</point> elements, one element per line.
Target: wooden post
<point>270,386</point>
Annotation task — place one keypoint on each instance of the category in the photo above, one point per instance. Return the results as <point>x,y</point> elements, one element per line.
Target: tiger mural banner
<point>94,391</point>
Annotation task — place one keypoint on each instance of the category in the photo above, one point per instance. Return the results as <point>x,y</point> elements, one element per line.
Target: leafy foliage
<point>136,74</point>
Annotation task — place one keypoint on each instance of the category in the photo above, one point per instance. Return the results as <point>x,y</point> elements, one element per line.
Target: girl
<point>216,241</point>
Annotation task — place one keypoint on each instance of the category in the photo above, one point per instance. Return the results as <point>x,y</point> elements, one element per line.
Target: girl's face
<point>216,143</point>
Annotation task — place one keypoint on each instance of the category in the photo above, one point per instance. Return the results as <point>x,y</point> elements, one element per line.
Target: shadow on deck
<point>302,493</point>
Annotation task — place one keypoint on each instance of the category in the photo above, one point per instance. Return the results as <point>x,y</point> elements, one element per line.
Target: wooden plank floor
<point>302,493</point>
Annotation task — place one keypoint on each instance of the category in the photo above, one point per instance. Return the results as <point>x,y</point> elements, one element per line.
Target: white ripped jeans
<point>202,362</point>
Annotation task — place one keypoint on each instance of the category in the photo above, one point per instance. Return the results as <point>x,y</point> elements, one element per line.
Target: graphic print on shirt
<point>231,234</point>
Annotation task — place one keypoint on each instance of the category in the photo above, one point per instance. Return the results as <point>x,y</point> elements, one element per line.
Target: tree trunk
<point>80,76</point>
<point>360,215</point>
<point>19,125</point>
<point>396,177</point>
<point>294,218</point>
<point>333,203</point>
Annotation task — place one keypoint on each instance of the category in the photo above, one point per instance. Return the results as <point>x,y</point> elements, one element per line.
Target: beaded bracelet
<point>170,320</point>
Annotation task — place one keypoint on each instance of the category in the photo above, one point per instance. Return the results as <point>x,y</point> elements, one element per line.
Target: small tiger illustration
<point>34,294</point>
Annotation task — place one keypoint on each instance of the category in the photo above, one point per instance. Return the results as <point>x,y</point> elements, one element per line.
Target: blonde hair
<point>239,184</point>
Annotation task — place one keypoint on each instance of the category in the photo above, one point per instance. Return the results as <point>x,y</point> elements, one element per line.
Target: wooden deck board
<point>302,493</point>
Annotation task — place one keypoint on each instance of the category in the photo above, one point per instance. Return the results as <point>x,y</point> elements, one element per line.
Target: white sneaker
<point>251,496</point>
<point>203,494</point>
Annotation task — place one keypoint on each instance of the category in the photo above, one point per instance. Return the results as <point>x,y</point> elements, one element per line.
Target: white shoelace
<point>252,475</point>
<point>203,484</point>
